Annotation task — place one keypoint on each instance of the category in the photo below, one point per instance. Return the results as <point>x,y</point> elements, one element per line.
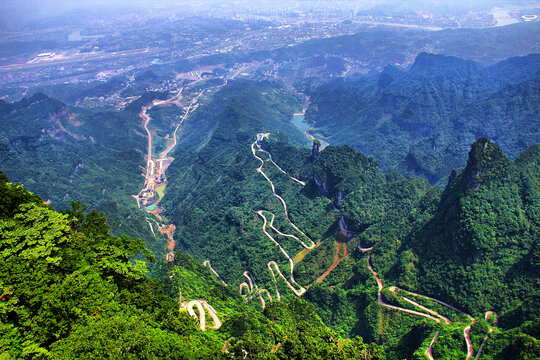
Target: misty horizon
<point>20,13</point>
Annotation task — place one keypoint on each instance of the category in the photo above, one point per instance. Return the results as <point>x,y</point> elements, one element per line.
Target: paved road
<point>382,303</point>
<point>436,317</point>
<point>201,306</point>
<point>207,263</point>
<point>428,350</point>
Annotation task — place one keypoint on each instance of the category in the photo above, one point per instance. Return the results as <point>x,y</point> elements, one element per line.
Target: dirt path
<point>337,260</point>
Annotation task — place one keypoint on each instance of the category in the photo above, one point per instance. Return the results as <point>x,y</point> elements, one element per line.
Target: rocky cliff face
<point>322,186</point>
<point>59,122</point>
<point>316,149</point>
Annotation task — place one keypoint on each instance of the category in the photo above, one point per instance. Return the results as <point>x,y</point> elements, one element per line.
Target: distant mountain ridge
<point>431,112</point>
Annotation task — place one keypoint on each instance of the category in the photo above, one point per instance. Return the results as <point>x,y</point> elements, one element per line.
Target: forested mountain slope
<point>65,154</point>
<point>484,235</point>
<point>69,290</point>
<point>340,201</point>
<point>376,254</point>
<point>422,120</point>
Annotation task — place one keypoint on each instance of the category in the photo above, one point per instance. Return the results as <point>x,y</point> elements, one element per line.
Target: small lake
<point>298,120</point>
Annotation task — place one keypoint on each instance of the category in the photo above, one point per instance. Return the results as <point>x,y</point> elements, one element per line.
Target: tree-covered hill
<point>66,154</point>
<point>277,220</point>
<point>69,290</point>
<point>421,121</point>
<point>483,237</point>
<point>347,203</point>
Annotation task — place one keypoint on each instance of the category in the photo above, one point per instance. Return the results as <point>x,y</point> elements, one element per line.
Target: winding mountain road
<point>273,266</point>
<point>291,261</point>
<point>434,315</point>
<point>164,153</point>
<point>201,306</point>
<point>251,285</point>
<point>309,247</point>
<point>260,292</point>
<point>151,178</point>
<point>428,350</point>
<point>299,290</point>
<point>278,167</point>
<point>486,317</point>
<point>382,303</point>
<point>207,264</point>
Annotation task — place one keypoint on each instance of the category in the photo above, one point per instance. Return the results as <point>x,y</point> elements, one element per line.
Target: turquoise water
<point>298,121</point>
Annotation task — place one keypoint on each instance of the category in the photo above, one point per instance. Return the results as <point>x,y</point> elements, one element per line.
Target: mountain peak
<point>39,96</point>
<point>486,166</point>
<point>429,61</point>
<point>484,154</point>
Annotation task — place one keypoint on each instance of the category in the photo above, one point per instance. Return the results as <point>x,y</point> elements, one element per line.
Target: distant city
<point>99,50</point>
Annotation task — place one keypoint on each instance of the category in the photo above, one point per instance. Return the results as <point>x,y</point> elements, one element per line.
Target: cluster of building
<point>155,176</point>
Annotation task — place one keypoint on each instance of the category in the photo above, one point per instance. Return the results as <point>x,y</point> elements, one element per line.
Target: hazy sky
<point>21,12</point>
<point>62,5</point>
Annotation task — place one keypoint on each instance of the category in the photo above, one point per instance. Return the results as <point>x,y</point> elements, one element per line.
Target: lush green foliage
<point>70,290</point>
<point>483,238</point>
